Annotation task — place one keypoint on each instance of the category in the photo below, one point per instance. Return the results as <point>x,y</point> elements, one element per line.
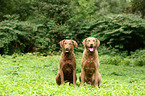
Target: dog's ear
<point>98,42</point>
<point>84,42</point>
<point>61,43</point>
<point>75,43</point>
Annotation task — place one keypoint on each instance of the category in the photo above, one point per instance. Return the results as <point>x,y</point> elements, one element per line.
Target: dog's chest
<point>67,69</point>
<point>68,66</point>
<point>89,68</point>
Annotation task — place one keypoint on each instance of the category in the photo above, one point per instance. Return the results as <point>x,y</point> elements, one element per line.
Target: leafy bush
<point>123,31</point>
<point>127,62</point>
<point>138,56</point>
<point>14,35</point>
<point>140,61</point>
<point>48,35</point>
<point>24,36</point>
<point>136,59</point>
<point>49,21</point>
<point>115,60</point>
<point>58,10</point>
<point>103,50</point>
<point>139,52</point>
<point>138,6</point>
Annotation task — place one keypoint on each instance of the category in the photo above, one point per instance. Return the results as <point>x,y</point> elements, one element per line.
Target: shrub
<point>126,62</point>
<point>140,61</point>
<point>139,52</point>
<point>24,36</point>
<point>138,57</point>
<point>116,60</point>
<point>123,31</point>
<point>103,50</point>
<point>14,35</point>
<point>48,35</point>
<point>58,10</point>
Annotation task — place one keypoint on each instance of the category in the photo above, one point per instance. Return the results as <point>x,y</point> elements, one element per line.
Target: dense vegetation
<point>31,29</point>
<point>39,25</point>
<point>29,74</point>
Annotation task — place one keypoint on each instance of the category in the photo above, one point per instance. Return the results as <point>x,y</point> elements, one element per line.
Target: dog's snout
<point>66,48</point>
<point>91,45</point>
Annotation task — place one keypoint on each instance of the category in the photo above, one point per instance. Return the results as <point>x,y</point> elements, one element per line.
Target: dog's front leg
<point>96,79</point>
<point>99,79</point>
<point>74,77</point>
<point>82,76</point>
<point>62,77</point>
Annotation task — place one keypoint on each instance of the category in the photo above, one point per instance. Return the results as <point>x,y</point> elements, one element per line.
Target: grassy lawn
<point>35,75</point>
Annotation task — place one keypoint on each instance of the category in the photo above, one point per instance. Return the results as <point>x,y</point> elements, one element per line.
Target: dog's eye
<point>89,40</point>
<point>94,40</point>
<point>69,43</point>
<point>65,43</point>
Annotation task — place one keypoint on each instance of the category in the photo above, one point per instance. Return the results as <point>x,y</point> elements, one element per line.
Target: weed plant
<point>32,74</point>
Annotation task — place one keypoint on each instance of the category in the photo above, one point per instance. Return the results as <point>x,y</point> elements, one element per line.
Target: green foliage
<point>23,8</point>
<point>138,6</point>
<point>48,35</point>
<point>32,74</point>
<point>24,36</point>
<point>39,25</point>
<point>103,50</point>
<point>124,32</point>
<point>104,7</point>
<point>138,56</point>
<point>95,8</point>
<point>140,61</point>
<point>86,11</point>
<point>6,6</point>
<point>58,10</point>
<point>117,58</point>
<point>138,53</point>
<point>15,35</point>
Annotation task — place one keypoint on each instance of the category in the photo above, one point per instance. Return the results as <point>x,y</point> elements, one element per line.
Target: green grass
<point>31,75</point>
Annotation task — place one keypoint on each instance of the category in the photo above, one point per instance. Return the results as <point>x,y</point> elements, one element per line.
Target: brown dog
<point>90,63</point>
<point>67,63</point>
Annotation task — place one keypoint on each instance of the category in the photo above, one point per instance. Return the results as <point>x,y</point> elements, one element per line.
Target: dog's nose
<point>66,48</point>
<point>91,45</point>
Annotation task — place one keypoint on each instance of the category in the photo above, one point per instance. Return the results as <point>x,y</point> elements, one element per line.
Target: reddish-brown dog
<point>90,63</point>
<point>67,64</point>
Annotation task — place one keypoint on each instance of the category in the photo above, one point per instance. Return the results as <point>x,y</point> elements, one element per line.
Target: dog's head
<point>68,45</point>
<point>91,43</point>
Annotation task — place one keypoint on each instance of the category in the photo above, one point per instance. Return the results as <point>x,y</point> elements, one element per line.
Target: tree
<point>6,7</point>
<point>138,6</point>
<point>21,7</point>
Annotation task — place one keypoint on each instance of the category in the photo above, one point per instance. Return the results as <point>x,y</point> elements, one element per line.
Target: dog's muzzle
<point>91,49</point>
<point>67,50</point>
